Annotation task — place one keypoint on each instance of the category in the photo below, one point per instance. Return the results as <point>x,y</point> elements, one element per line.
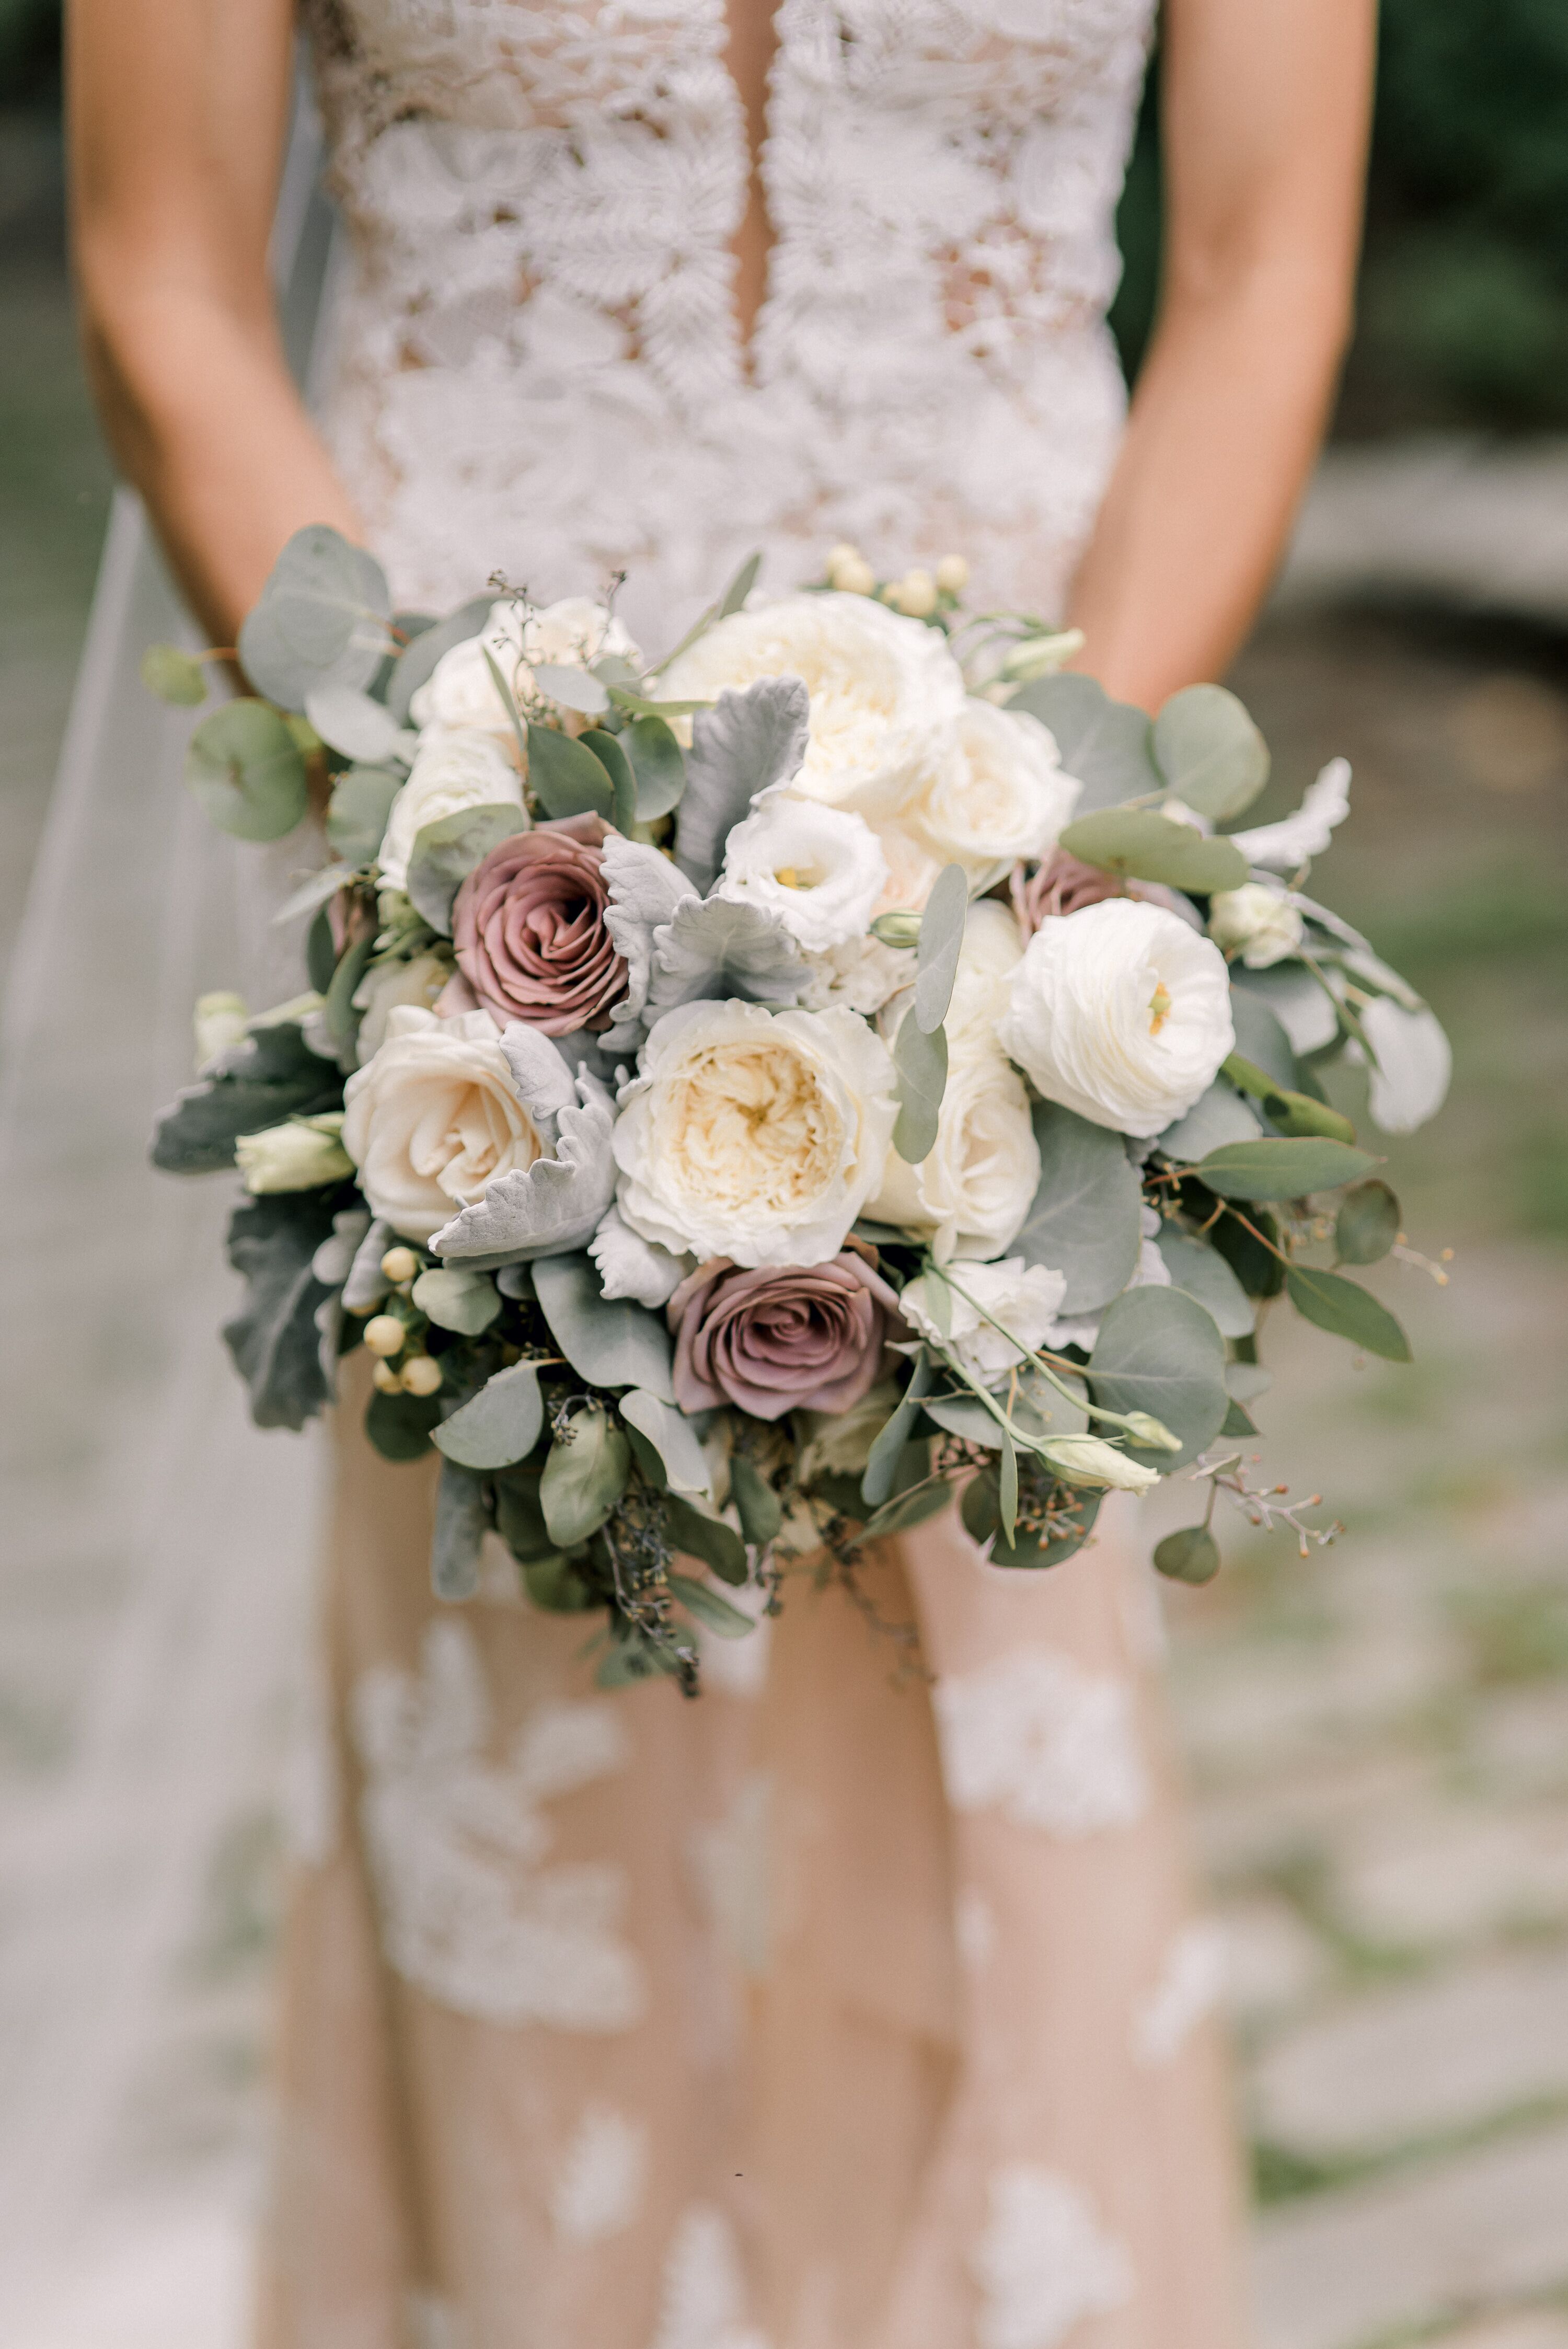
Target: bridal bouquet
<point>741,1101</point>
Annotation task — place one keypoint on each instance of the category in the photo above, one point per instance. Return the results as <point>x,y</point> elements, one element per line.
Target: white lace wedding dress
<point>830,2011</point>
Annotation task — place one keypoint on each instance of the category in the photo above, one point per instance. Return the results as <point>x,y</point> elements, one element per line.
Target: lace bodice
<point>534,358</point>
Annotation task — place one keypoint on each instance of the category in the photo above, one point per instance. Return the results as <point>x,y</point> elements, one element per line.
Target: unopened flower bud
<point>1256,921</point>
<point>385,1334</point>
<point>1153,1433</point>
<point>400,1264</point>
<point>1089,1460</point>
<point>952,575</point>
<point>302,1154</point>
<point>386,1380</point>
<point>897,928</point>
<point>220,1021</point>
<point>421,1375</point>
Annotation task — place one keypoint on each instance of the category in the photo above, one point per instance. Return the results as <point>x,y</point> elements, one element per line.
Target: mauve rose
<point>529,929</point>
<point>782,1337</point>
<point>1062,885</point>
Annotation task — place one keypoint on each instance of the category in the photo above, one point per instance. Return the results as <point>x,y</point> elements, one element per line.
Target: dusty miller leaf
<point>746,743</point>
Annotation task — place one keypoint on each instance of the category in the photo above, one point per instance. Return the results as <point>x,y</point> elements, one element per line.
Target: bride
<point>834,2011</point>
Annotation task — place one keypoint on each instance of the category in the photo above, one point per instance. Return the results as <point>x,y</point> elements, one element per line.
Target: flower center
<point>1160,1008</point>
<point>793,877</point>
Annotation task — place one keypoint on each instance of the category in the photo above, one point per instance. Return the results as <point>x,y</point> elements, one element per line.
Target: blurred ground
<point>1379,1735</point>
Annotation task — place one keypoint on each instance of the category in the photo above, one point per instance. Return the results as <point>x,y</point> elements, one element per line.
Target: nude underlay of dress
<point>829,2011</point>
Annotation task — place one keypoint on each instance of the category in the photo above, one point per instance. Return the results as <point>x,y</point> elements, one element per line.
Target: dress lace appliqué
<point>1044,2262</point>
<point>471,1911</point>
<point>1192,1983</point>
<point>1046,1742</point>
<point>702,2301</point>
<point>599,2192</point>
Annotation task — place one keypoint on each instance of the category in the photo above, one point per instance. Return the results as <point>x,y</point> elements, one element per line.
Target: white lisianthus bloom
<point>886,694</point>
<point>753,1135</point>
<point>1000,796</point>
<point>1256,922</point>
<point>819,870</point>
<point>452,769</point>
<point>971,1192</point>
<point>1121,1013</point>
<point>460,690</point>
<point>418,979</point>
<point>434,1118</point>
<point>1090,1460</point>
<point>299,1155</point>
<point>1023,1298</point>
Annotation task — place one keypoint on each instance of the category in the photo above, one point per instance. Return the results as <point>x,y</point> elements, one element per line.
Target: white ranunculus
<point>1259,922</point>
<point>1022,1297</point>
<point>819,870</point>
<point>299,1155</point>
<point>754,1135</point>
<point>1121,1013</point>
<point>460,690</point>
<point>418,979</point>
<point>434,1118</point>
<point>1000,796</point>
<point>886,693</point>
<point>453,769</point>
<point>970,1194</point>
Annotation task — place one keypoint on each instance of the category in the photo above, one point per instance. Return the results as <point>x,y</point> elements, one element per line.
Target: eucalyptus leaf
<point>356,813</point>
<point>734,596</point>
<point>445,852</point>
<point>1245,1382</point>
<point>1367,1224</point>
<point>245,769</point>
<point>549,1208</point>
<point>1260,1038</point>
<point>461,1522</point>
<point>272,1075</point>
<point>398,1426</point>
<point>761,1511</point>
<point>612,757</point>
<point>572,688</point>
<point>746,743</point>
<point>417,663</point>
<point>1218,1116</point>
<point>1346,1310</point>
<point>698,1533</point>
<point>940,945</point>
<point>1210,751</point>
<point>175,676</point>
<point>658,765</point>
<point>921,1063</point>
<point>361,728</point>
<point>339,1015</point>
<point>1286,1168</point>
<point>460,1300</point>
<point>881,1467</point>
<point>520,1519</point>
<point>1289,1113</point>
<point>311,893</point>
<point>673,1437</point>
<point>609,1341</point>
<point>716,947</point>
<point>274,1337</point>
<point>554,1584</point>
<point>712,1611</point>
<point>1105,744</point>
<point>1158,1350</point>
<point>1139,844</point>
<point>1191,1555</point>
<point>1202,1271</point>
<point>566,779</point>
<point>584,1476</point>
<point>908,1508</point>
<point>323,617</point>
<point>1084,1219</point>
<point>1303,1007</point>
<point>1412,1063</point>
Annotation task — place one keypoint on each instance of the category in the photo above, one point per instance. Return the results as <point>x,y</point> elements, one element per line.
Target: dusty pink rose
<point>529,929</point>
<point>785,1337</point>
<point>1062,885</point>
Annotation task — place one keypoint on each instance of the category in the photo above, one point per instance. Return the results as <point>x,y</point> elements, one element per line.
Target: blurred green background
<point>1378,1737</point>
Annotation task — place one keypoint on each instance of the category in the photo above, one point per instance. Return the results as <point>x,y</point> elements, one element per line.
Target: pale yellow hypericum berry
<point>952,575</point>
<point>849,571</point>
<point>422,1375</point>
<point>386,1380</point>
<point>400,1264</point>
<point>385,1334</point>
<point>914,594</point>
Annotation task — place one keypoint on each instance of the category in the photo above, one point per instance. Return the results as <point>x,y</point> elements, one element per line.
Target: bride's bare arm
<point>178,110</point>
<point>1265,106</point>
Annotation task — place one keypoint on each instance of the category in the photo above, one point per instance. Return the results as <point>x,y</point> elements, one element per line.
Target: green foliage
<point>243,766</point>
<point>762,1513</point>
<point>1141,845</point>
<point>745,743</point>
<point>565,778</point>
<point>609,1341</point>
<point>1084,1219</point>
<point>399,1425</point>
<point>881,1467</point>
<point>940,944</point>
<point>274,1337</point>
<point>1105,744</point>
<point>672,1438</point>
<point>658,765</point>
<point>921,1062</point>
<point>460,1521</point>
<point>1192,1555</point>
<point>1158,1350</point>
<point>1348,1310</point>
<point>1367,1224</point>
<point>714,1612</point>
<point>1209,752</point>
<point>572,688</point>
<point>584,1476</point>
<point>417,662</point>
<point>175,676</point>
<point>322,619</point>
<point>356,813</point>
<point>456,1298</point>
<point>612,757</point>
<point>1283,1168</point>
<point>271,1076</point>
<point>696,1533</point>
<point>445,852</point>
<point>500,1425</point>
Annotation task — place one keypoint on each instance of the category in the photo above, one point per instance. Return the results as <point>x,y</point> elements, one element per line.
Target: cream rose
<point>451,770</point>
<point>754,1135</point>
<point>819,870</point>
<point>434,1118</point>
<point>911,871</point>
<point>970,1194</point>
<point>460,690</point>
<point>1121,1013</point>
<point>1000,796</point>
<point>886,694</point>
<point>1024,1298</point>
<point>1256,922</point>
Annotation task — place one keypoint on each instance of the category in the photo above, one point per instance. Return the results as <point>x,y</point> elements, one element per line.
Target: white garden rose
<point>886,693</point>
<point>753,1135</point>
<point>992,949</point>
<point>912,870</point>
<point>861,974</point>
<point>970,1194</point>
<point>819,870</point>
<point>999,797</point>
<point>453,769</point>
<point>434,1118</point>
<point>460,690</point>
<point>1256,922</point>
<point>1023,1298</point>
<point>1121,1013</point>
<point>418,979</point>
